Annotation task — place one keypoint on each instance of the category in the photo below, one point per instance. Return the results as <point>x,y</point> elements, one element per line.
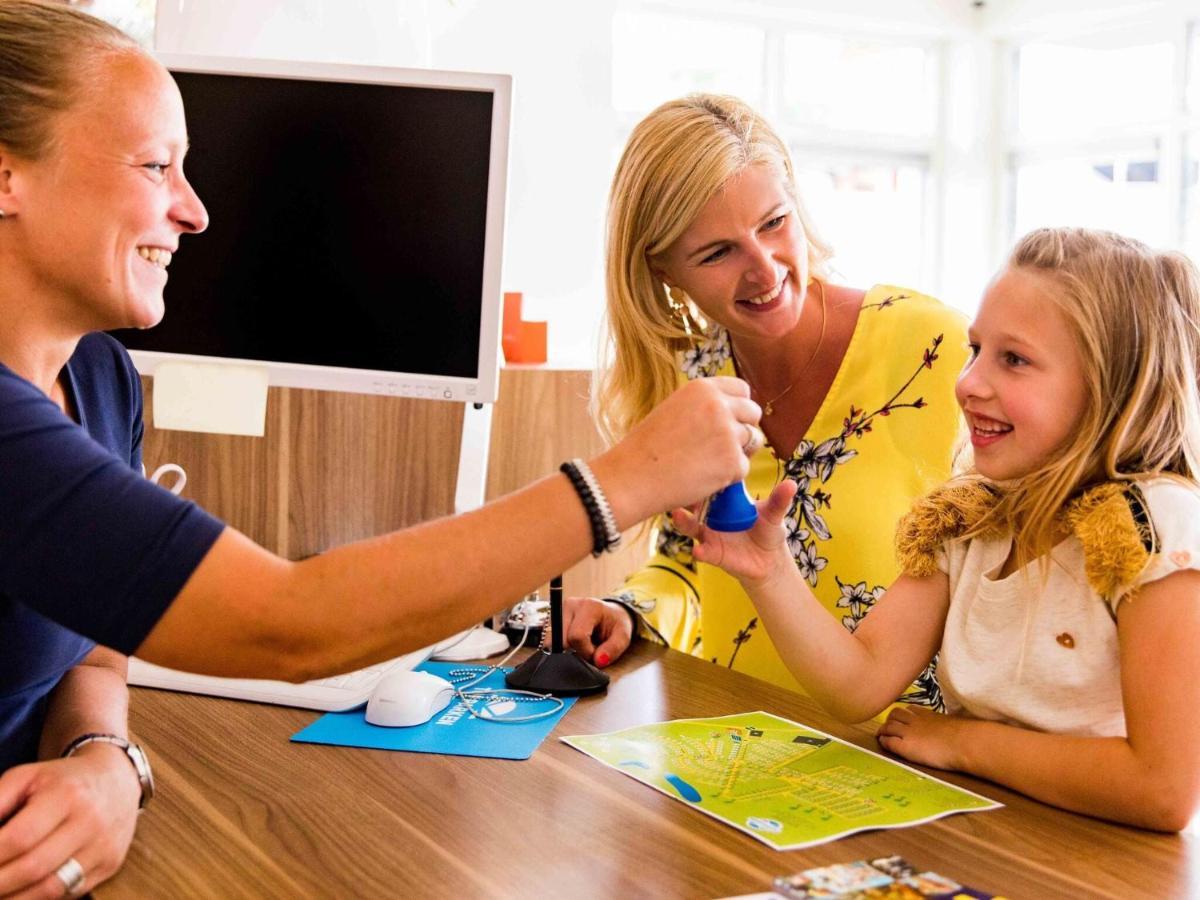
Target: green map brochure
<point>785,784</point>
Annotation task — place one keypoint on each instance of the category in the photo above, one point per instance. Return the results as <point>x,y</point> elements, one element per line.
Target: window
<point>1191,155</point>
<point>1193,68</point>
<point>1103,138</point>
<point>1191,187</point>
<point>721,57</point>
<point>846,84</point>
<point>859,113</point>
<point>873,215</point>
<point>1121,192</point>
<point>1065,89</point>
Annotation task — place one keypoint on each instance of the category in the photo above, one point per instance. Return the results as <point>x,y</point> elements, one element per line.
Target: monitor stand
<point>471,485</point>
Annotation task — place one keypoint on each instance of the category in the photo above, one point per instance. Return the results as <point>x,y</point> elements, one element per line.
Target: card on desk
<point>453,731</point>
<point>788,785</point>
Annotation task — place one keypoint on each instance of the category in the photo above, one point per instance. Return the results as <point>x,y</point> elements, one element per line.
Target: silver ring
<point>755,439</point>
<point>72,877</point>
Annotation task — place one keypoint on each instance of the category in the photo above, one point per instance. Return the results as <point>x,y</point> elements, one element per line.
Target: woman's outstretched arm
<point>245,611</point>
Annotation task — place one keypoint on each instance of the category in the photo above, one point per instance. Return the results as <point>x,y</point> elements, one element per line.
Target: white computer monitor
<point>356,233</point>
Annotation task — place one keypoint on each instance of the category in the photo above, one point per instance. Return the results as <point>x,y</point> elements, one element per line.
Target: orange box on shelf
<point>510,322</point>
<point>522,342</point>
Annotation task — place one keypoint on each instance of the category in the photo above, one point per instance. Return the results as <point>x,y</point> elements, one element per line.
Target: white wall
<point>559,53</point>
<point>367,32</point>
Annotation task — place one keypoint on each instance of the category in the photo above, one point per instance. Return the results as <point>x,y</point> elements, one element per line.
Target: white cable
<point>442,648</point>
<point>469,697</point>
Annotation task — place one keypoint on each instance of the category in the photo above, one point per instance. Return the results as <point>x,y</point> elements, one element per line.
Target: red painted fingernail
<point>602,660</point>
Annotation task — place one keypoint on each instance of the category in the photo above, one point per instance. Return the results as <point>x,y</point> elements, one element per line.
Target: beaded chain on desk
<point>468,676</point>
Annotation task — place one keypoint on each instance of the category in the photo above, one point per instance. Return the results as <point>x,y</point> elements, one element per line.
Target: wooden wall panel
<point>364,465</point>
<point>542,419</point>
<point>335,467</point>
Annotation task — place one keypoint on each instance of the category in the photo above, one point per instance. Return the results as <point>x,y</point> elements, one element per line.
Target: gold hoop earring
<point>677,301</point>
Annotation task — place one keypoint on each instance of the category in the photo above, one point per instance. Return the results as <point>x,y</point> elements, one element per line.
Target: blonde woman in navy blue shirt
<point>95,562</point>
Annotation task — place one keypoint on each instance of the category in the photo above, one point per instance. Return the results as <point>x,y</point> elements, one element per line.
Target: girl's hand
<point>84,808</point>
<point>923,736</point>
<point>754,556</point>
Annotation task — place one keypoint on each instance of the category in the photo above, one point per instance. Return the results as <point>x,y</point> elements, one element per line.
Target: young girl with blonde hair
<point>714,268</point>
<point>1058,577</point>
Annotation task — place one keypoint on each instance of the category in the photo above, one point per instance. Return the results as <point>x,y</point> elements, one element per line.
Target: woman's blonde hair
<point>1135,315</point>
<point>48,54</point>
<point>676,160</point>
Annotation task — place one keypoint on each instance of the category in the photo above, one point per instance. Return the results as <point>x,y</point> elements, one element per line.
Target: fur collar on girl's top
<point>1110,520</point>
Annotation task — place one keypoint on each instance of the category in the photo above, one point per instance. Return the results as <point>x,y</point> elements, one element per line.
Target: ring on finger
<point>755,439</point>
<point>72,876</point>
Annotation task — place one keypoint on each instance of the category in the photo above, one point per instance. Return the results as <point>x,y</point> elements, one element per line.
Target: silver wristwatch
<point>137,756</point>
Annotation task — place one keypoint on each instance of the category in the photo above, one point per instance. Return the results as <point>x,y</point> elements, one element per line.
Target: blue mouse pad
<point>453,731</point>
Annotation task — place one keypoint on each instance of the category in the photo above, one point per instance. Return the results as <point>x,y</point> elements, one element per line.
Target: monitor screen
<point>355,227</point>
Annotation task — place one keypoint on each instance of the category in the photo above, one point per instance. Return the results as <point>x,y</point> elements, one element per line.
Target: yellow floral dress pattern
<point>884,435</point>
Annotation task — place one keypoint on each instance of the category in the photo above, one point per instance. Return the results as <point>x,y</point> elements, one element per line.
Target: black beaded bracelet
<point>612,534</point>
<point>589,505</point>
<point>605,536</point>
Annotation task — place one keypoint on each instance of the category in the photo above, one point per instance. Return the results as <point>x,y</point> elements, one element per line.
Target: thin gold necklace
<point>768,406</point>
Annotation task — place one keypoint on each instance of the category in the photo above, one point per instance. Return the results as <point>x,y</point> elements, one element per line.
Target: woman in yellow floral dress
<point>714,268</point>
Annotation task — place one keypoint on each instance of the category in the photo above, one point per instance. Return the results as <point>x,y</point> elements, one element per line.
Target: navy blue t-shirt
<point>90,552</point>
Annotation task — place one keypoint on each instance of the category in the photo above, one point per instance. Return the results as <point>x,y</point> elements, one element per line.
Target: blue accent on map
<point>636,763</point>
<point>686,791</point>
<point>771,826</point>
<point>453,731</point>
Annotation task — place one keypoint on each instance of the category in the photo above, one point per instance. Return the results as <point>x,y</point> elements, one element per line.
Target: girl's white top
<point>1046,657</point>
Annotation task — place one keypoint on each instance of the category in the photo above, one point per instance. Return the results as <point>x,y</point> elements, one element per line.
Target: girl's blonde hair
<point>676,160</point>
<point>48,53</point>
<point>1135,314</point>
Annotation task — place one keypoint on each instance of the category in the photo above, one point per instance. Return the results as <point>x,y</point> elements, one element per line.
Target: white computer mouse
<point>408,698</point>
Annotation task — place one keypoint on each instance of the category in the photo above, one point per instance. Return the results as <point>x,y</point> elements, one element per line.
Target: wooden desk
<point>244,813</point>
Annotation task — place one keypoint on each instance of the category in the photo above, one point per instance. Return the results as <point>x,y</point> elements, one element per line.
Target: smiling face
<point>744,260</point>
<point>1023,390</point>
<point>102,212</point>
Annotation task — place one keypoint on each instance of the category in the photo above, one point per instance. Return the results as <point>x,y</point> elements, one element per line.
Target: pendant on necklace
<point>767,410</point>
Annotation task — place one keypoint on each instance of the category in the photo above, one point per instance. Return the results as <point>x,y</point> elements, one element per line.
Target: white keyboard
<point>340,692</point>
